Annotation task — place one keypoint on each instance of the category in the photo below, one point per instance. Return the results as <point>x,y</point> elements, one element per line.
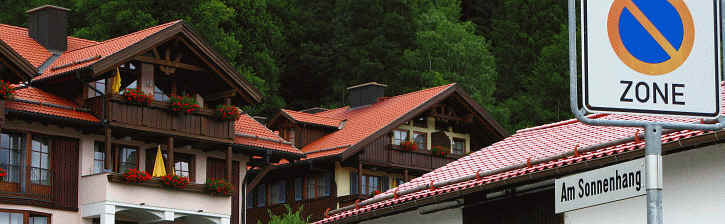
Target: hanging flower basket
<point>3,173</point>
<point>440,151</point>
<point>228,112</point>
<point>185,104</point>
<point>408,146</point>
<point>136,96</point>
<point>136,176</point>
<point>6,91</point>
<point>174,181</point>
<point>219,187</point>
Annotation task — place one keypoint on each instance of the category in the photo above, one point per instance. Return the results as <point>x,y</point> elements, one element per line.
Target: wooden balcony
<point>155,117</point>
<point>385,154</point>
<point>312,208</point>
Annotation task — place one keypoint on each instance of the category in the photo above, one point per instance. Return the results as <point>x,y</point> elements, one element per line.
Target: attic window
<point>420,122</point>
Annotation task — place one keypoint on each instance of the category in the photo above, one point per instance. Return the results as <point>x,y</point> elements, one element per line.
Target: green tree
<point>287,218</point>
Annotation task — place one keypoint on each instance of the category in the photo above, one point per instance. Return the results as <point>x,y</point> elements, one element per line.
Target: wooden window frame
<point>454,145</point>
<point>366,180</point>
<point>48,142</point>
<point>191,160</point>
<point>301,180</point>
<point>6,186</point>
<point>407,134</point>
<point>117,152</point>
<point>425,143</point>
<point>284,192</point>
<point>27,214</point>
<point>103,161</point>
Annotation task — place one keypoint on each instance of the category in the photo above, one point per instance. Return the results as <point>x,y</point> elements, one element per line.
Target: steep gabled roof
<point>35,101</point>
<point>545,142</point>
<point>251,133</point>
<point>364,124</point>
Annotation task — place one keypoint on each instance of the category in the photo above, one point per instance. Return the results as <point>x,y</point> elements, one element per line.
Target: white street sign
<point>657,57</point>
<point>604,185</point>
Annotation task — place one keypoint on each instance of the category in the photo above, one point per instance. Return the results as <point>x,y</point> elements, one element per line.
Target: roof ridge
<point>396,96</point>
<point>122,36</point>
<point>314,115</point>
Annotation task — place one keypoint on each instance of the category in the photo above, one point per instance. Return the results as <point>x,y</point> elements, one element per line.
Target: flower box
<point>136,96</point>
<point>219,187</point>
<point>408,146</point>
<point>185,104</point>
<point>3,173</point>
<point>174,181</point>
<point>6,91</point>
<point>136,176</point>
<point>227,112</point>
<point>440,151</point>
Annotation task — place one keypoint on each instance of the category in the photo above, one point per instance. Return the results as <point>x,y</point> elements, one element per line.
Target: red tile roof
<point>34,100</point>
<point>360,123</point>
<point>313,118</point>
<point>250,132</point>
<point>18,39</point>
<point>542,142</point>
<point>89,53</point>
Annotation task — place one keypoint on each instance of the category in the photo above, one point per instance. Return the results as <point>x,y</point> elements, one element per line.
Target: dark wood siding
<point>315,209</point>
<point>308,134</point>
<point>65,173</point>
<point>381,151</point>
<point>535,208</point>
<point>157,116</point>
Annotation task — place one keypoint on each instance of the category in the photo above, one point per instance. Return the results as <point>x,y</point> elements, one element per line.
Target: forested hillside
<point>510,55</point>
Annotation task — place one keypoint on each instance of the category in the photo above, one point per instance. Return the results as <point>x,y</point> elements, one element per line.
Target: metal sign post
<point>653,130</point>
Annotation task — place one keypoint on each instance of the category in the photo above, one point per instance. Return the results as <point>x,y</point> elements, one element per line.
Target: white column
<point>169,216</point>
<point>224,221</point>
<point>109,214</point>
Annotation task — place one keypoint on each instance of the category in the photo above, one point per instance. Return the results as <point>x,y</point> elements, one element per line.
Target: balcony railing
<point>15,187</point>
<point>156,117</point>
<point>111,187</point>
<point>391,155</point>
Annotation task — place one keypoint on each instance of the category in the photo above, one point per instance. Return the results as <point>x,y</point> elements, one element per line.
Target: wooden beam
<point>229,163</point>
<point>258,178</point>
<point>405,175</point>
<point>359,177</point>
<point>107,158</point>
<point>221,94</point>
<point>173,64</point>
<point>170,156</point>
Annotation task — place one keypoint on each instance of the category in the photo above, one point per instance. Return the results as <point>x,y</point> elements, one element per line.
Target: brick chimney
<point>365,94</point>
<point>48,25</point>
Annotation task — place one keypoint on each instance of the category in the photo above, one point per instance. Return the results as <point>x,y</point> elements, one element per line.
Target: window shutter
<point>64,153</point>
<point>385,182</point>
<point>353,182</point>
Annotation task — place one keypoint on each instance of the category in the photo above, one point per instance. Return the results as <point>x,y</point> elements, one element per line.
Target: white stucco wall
<point>56,216</point>
<point>693,193</point>
<point>450,216</point>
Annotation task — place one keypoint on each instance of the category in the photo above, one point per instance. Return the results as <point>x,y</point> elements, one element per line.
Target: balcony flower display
<point>228,112</point>
<point>374,193</point>
<point>136,176</point>
<point>136,96</point>
<point>185,104</point>
<point>440,151</point>
<point>3,173</point>
<point>6,91</point>
<point>408,146</point>
<point>174,181</point>
<point>219,187</point>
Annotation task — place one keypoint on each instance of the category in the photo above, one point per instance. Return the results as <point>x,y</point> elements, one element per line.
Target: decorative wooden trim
<point>173,64</point>
<point>257,179</point>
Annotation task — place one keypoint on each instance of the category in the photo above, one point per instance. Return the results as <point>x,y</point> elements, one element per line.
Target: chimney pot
<point>365,94</point>
<point>48,25</point>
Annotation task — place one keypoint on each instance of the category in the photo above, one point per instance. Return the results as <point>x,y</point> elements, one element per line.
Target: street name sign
<point>654,57</point>
<point>603,185</point>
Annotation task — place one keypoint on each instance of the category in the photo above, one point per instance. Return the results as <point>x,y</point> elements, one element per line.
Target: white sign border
<point>718,73</point>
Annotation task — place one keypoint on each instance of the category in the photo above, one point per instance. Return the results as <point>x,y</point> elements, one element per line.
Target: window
<point>370,184</point>
<point>399,181</point>
<point>40,161</point>
<point>128,159</point>
<point>36,219</point>
<point>11,218</point>
<point>299,183</point>
<point>459,146</point>
<point>288,134</point>
<point>18,217</point>
<point>420,122</point>
<point>261,195</point>
<point>278,192</point>
<point>99,157</point>
<point>311,188</point>
<point>399,136</point>
<point>421,139</point>
<point>250,199</point>
<point>183,164</point>
<point>323,185</point>
<point>11,151</point>
<point>100,85</point>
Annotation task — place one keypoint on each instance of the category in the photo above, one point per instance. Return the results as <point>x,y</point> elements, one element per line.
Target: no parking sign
<point>651,57</point>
